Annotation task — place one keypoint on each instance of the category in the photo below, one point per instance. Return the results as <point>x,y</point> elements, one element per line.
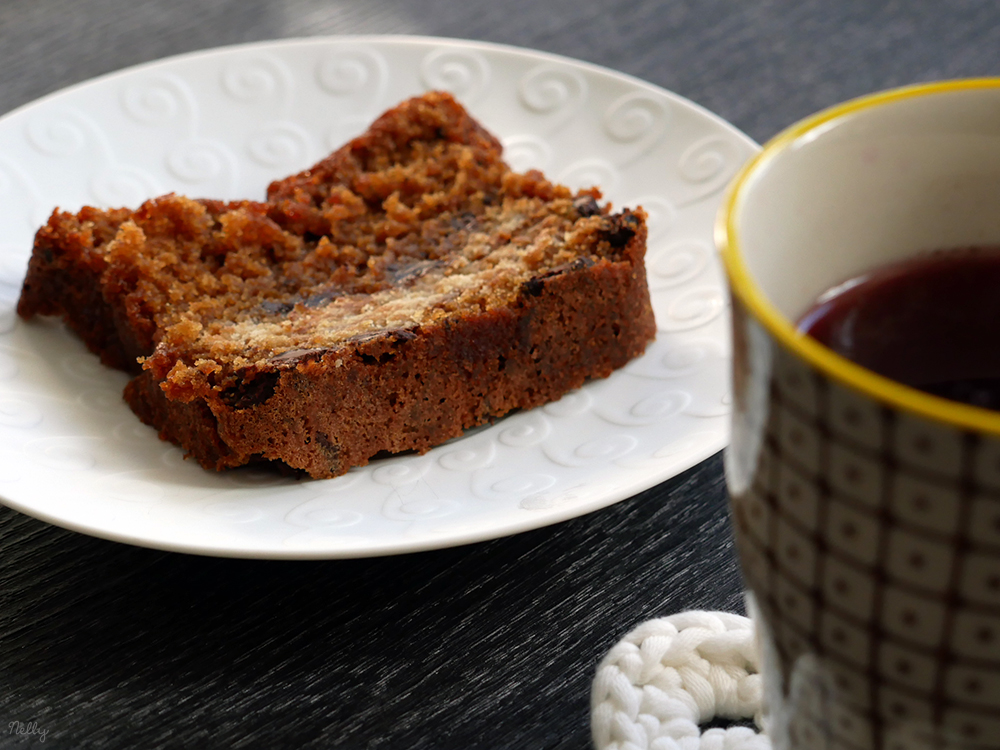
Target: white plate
<point>223,124</point>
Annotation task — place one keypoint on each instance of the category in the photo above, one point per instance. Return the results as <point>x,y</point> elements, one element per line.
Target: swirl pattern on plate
<point>524,152</point>
<point>677,264</point>
<point>280,144</point>
<point>202,162</point>
<point>352,71</point>
<point>159,101</point>
<point>708,164</point>
<point>637,120</point>
<point>122,185</point>
<point>258,80</point>
<point>60,133</point>
<point>552,89</point>
<point>464,73</point>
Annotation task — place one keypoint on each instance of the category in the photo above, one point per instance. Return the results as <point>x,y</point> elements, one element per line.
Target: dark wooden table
<point>493,645</point>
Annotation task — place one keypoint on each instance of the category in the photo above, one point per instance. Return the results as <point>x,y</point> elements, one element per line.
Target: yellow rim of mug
<point>825,360</point>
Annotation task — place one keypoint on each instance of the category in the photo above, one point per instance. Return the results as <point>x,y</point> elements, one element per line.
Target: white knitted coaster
<point>669,675</point>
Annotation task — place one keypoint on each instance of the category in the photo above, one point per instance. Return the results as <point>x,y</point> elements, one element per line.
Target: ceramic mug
<point>867,513</point>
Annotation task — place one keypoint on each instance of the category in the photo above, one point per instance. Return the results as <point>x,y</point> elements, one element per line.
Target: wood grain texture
<point>490,645</point>
<point>109,646</point>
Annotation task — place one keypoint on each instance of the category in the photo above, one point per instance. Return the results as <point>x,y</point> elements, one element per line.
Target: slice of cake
<point>406,288</point>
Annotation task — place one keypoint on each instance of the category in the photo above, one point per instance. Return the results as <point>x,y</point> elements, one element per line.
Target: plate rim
<point>415,39</point>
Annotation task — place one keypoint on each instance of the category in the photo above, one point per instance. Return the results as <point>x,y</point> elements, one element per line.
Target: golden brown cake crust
<point>404,289</point>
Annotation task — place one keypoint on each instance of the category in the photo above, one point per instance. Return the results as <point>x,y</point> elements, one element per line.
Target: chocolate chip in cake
<point>586,205</point>
<point>578,264</point>
<point>620,228</point>
<point>465,220</point>
<point>403,274</point>
<point>252,392</point>
<point>533,287</point>
<point>536,284</point>
<point>321,298</point>
<point>402,335</point>
<point>393,336</point>
<point>275,308</point>
<point>294,356</point>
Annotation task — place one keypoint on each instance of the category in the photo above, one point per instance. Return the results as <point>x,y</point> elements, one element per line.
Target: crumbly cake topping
<point>395,232</point>
<point>225,304</point>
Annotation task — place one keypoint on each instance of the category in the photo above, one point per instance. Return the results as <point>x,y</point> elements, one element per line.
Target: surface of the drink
<point>931,322</point>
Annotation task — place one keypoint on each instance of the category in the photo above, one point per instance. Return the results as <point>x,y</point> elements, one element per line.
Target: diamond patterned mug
<point>867,513</point>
